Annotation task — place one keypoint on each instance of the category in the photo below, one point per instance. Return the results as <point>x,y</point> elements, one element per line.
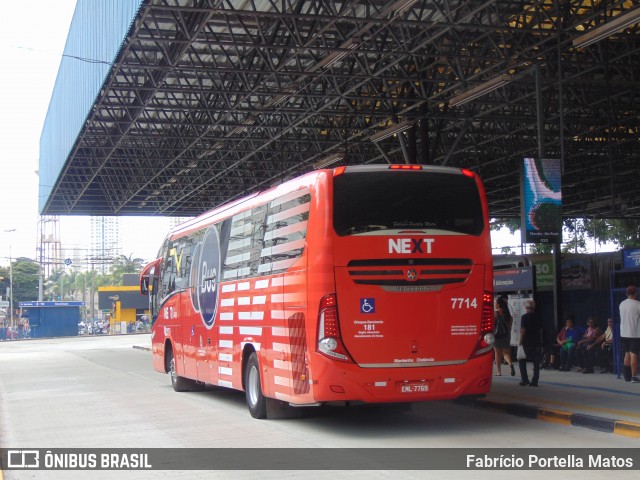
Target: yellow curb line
<point>627,429</point>
<point>554,416</point>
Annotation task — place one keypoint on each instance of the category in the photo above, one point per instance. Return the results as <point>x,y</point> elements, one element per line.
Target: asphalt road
<point>100,392</point>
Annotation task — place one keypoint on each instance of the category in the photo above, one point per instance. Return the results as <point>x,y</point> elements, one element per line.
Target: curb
<point>140,347</point>
<point>601,424</point>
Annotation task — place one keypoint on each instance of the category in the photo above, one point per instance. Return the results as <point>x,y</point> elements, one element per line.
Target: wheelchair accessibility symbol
<point>367,305</point>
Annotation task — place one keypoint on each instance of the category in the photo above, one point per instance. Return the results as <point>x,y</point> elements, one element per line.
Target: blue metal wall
<point>96,34</point>
<point>46,322</point>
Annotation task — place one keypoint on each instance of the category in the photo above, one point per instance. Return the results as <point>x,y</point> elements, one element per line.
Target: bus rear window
<point>384,200</point>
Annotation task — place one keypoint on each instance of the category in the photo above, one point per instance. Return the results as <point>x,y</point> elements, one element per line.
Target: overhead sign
<point>631,258</point>
<point>541,204</point>
<point>52,304</point>
<point>513,279</point>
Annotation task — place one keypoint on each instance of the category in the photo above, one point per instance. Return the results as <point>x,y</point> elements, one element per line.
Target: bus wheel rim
<point>253,385</point>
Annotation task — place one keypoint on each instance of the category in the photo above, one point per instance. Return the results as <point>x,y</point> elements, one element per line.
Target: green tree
<point>4,280</point>
<point>624,232</point>
<point>25,280</point>
<point>123,264</point>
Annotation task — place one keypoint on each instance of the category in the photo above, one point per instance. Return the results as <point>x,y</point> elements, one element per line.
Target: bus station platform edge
<point>598,401</point>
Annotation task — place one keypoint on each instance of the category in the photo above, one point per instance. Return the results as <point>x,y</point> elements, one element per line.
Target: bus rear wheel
<point>256,401</point>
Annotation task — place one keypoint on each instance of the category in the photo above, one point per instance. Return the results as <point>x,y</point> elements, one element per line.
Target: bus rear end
<point>411,317</point>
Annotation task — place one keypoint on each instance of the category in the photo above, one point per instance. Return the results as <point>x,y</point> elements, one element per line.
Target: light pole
<point>10,281</point>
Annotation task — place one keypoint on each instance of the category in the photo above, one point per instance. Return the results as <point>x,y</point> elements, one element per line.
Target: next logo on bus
<point>410,245</point>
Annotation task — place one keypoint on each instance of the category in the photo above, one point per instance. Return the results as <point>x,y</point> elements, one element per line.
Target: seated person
<point>567,340</point>
<point>554,349</point>
<point>588,338</point>
<point>600,352</point>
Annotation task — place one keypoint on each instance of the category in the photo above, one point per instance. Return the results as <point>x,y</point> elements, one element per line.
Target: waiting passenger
<point>592,333</point>
<point>567,339</point>
<point>601,351</point>
<point>531,341</point>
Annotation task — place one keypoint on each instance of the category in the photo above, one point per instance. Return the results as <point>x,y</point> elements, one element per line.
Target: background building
<point>105,243</point>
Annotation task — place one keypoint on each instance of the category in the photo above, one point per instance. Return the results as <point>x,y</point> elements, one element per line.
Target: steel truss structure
<point>211,99</point>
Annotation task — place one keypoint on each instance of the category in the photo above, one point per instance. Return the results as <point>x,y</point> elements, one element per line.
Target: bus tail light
<point>405,167</point>
<point>485,339</point>
<point>329,338</point>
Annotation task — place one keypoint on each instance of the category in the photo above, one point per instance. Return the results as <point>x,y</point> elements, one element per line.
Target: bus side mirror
<point>144,286</point>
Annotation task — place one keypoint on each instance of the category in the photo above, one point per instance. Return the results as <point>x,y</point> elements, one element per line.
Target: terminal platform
<point>599,401</point>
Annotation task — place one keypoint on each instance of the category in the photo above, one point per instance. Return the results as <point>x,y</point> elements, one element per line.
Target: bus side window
<point>168,277</point>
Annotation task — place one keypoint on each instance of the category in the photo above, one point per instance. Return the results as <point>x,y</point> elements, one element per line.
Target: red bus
<point>367,284</point>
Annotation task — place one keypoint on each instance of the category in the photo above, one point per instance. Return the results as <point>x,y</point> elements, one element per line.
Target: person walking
<point>530,333</point>
<point>502,334</point>
<point>630,334</point>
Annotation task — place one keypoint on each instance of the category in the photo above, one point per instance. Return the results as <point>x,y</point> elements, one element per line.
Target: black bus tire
<point>256,401</point>
<point>178,383</point>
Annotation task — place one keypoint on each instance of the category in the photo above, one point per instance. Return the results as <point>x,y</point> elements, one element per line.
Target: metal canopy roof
<point>209,100</point>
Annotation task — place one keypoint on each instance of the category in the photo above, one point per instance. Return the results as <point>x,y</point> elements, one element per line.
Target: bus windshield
<point>391,200</point>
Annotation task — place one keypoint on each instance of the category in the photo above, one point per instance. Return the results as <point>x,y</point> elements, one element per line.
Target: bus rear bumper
<point>402,384</point>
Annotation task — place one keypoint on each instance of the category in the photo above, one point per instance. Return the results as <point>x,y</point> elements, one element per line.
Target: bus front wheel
<point>178,383</point>
<point>256,401</point>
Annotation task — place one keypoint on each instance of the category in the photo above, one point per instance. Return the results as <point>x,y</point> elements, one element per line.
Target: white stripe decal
<point>225,344</point>
<point>227,302</point>
<point>282,381</point>
<point>229,288</point>
<point>259,300</point>
<point>244,286</point>
<point>225,371</point>
<point>282,248</point>
<point>251,331</point>
<point>288,197</point>
<point>226,316</point>
<point>225,357</point>
<point>250,315</point>
<point>281,364</point>
<point>284,231</point>
<point>243,257</point>
<point>262,284</point>
<point>244,300</point>
<point>225,383</point>
<point>278,331</point>
<point>281,347</point>
<point>281,265</point>
<point>292,212</point>
<point>226,330</point>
